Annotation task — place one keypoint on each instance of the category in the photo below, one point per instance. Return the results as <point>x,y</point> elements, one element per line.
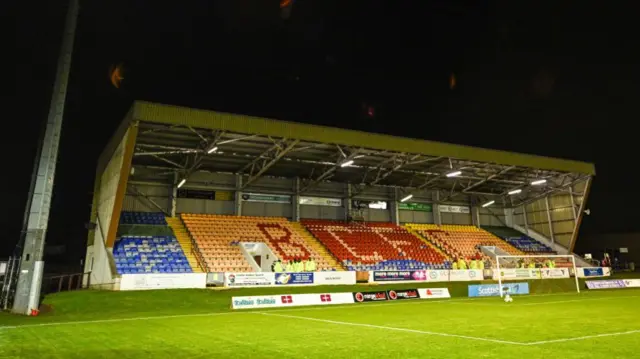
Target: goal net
<point>548,273</point>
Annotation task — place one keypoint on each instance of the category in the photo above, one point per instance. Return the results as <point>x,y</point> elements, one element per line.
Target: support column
<point>437,219</point>
<point>573,205</point>
<point>238,197</point>
<point>475,216</point>
<point>395,216</point>
<point>526,220</point>
<point>296,199</point>
<point>553,237</point>
<point>346,202</point>
<point>173,203</point>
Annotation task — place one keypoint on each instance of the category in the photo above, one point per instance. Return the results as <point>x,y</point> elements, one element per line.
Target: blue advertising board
<point>593,272</point>
<point>493,290</point>
<point>294,278</point>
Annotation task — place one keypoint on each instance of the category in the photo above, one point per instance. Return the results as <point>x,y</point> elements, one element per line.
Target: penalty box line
<point>406,330</point>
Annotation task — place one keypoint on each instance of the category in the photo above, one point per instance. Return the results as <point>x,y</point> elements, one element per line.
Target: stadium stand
<point>218,237</point>
<point>375,246</point>
<point>182,236</point>
<point>461,241</point>
<point>161,254</point>
<point>519,240</point>
<point>148,218</point>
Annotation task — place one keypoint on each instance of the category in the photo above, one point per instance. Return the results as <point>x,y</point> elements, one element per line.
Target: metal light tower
<point>37,214</point>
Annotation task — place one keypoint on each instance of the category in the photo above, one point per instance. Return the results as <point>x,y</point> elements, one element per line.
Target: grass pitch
<point>198,324</point>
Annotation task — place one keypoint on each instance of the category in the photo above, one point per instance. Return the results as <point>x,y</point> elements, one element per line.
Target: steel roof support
<point>551,233</point>
<point>324,175</point>
<point>265,166</point>
<point>552,190</point>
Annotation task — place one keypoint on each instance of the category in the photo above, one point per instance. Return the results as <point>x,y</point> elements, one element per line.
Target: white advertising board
<point>551,273</point>
<point>594,272</point>
<point>434,293</point>
<point>249,279</point>
<point>320,201</point>
<point>517,273</point>
<point>291,300</point>
<point>3,267</point>
<point>439,275</point>
<point>330,278</point>
<point>163,281</point>
<point>465,275</point>
<point>454,209</point>
<point>632,283</point>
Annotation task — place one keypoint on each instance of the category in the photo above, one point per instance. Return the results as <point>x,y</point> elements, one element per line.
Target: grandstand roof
<point>179,139</point>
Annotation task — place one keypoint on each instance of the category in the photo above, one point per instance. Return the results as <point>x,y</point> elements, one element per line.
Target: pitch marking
<point>392,328</point>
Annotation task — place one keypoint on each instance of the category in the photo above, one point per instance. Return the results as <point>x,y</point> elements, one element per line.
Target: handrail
<point>195,250</point>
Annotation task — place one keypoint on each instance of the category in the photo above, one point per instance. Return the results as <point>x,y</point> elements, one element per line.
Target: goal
<point>534,267</point>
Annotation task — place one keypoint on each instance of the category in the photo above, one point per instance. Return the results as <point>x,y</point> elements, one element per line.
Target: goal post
<point>528,267</point>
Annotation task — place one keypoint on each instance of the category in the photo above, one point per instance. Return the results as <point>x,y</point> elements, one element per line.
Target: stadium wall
<point>109,193</point>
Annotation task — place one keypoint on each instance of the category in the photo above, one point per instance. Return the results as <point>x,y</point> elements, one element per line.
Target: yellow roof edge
<point>177,115</point>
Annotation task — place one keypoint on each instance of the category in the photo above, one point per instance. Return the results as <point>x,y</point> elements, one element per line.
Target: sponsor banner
<point>547,273</point>
<point>3,267</point>
<point>264,197</point>
<point>320,201</point>
<point>632,283</point>
<point>293,278</point>
<point>454,209</point>
<point>465,275</point>
<point>250,279</point>
<point>290,300</point>
<point>438,275</point>
<point>361,297</point>
<point>493,290</point>
<point>203,194</point>
<point>362,204</point>
<point>163,281</point>
<point>403,294</point>
<point>329,278</point>
<point>399,276</point>
<point>594,272</point>
<point>421,207</point>
<point>434,293</point>
<point>517,273</point>
<point>605,284</point>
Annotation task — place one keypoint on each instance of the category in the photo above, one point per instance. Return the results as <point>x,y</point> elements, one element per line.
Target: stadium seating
<point>218,238</point>
<point>375,246</point>
<point>520,241</point>
<point>146,254</point>
<point>148,218</point>
<point>461,241</point>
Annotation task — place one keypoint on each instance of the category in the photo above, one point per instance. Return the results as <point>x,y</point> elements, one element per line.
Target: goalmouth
<point>542,267</point>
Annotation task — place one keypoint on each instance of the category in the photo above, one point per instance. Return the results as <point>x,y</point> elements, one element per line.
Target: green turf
<point>409,329</point>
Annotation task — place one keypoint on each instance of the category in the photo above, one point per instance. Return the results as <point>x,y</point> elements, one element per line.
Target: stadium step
<point>314,243</point>
<point>427,242</point>
<point>184,239</point>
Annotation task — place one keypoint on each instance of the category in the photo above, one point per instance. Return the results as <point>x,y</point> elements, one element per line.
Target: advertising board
<point>329,278</point>
<point>403,294</point>
<point>399,276</point>
<point>454,209</point>
<point>594,272</point>
<point>320,201</point>
<point>163,281</point>
<point>493,290</point>
<point>632,283</point>
<point>517,273</point>
<point>293,278</point>
<point>250,279</point>
<point>361,297</point>
<point>434,293</point>
<point>290,300</point>
<point>551,273</point>
<point>465,275</point>
<point>605,284</point>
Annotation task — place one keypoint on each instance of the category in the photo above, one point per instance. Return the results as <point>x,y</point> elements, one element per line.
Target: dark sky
<point>549,78</point>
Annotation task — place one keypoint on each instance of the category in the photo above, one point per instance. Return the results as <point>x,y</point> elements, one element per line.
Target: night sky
<point>550,78</point>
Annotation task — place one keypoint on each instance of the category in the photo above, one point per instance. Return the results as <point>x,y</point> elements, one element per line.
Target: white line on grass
<point>583,338</point>
<point>577,300</point>
<point>115,320</point>
<point>271,314</point>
